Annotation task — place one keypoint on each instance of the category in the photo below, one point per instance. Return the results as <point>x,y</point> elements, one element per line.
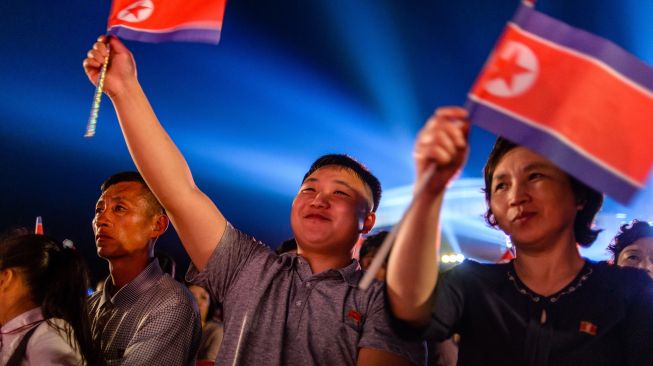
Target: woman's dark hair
<point>286,246</point>
<point>590,198</point>
<point>372,242</point>
<point>628,234</point>
<point>57,280</point>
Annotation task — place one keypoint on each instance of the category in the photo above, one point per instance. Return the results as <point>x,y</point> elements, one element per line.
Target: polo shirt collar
<point>351,274</point>
<point>130,293</point>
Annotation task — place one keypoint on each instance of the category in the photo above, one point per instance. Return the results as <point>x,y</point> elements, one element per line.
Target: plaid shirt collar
<point>129,293</point>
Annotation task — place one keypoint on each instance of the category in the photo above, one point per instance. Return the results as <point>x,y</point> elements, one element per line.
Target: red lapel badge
<point>355,316</point>
<point>588,327</point>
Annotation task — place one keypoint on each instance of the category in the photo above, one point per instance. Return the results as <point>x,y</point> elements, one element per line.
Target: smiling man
<point>302,308</point>
<point>136,317</point>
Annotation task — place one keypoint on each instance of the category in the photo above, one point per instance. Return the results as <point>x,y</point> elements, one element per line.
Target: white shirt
<point>47,346</point>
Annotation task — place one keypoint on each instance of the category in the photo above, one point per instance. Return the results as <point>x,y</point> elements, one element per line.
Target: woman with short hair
<point>549,305</point>
<point>633,246</point>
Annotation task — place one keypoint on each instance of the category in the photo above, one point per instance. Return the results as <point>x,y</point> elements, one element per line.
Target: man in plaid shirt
<point>142,316</point>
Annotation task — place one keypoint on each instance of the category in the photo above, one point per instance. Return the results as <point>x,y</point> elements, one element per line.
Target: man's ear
<point>368,223</point>
<point>161,224</point>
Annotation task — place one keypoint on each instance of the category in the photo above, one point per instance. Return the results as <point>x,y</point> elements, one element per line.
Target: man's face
<point>331,210</point>
<point>124,223</point>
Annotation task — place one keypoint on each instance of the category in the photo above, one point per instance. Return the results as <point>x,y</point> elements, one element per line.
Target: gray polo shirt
<point>153,320</point>
<point>277,312</point>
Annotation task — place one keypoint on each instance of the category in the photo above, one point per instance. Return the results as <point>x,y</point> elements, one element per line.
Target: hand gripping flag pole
<point>384,250</point>
<point>159,21</point>
<point>525,94</point>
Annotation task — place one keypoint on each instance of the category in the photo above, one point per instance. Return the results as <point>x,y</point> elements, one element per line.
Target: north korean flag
<point>575,98</point>
<point>167,20</point>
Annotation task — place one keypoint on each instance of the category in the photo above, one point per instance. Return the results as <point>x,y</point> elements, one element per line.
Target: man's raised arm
<point>413,264</point>
<point>197,220</point>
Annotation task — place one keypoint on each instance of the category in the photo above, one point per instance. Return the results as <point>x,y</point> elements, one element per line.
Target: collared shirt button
<point>308,285</point>
<point>298,303</point>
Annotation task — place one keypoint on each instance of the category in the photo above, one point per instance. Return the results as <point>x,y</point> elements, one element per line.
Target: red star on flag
<point>167,20</point>
<point>506,68</point>
<point>134,11</point>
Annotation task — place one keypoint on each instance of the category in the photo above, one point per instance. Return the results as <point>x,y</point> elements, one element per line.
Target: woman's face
<point>203,300</point>
<point>531,199</point>
<point>639,254</point>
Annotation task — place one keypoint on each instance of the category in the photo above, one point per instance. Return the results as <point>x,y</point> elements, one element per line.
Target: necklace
<point>556,297</point>
<point>553,299</point>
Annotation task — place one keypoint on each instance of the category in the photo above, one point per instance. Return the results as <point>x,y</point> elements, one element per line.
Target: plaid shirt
<point>153,320</point>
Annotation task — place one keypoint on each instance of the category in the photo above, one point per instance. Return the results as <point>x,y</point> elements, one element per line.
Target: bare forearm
<point>413,264</point>
<point>155,155</point>
<point>196,219</point>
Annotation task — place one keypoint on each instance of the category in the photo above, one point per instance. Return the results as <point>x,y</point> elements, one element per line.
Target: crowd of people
<point>302,304</point>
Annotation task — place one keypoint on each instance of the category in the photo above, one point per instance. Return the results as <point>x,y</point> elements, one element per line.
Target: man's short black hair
<point>122,177</point>
<point>134,177</point>
<point>346,161</point>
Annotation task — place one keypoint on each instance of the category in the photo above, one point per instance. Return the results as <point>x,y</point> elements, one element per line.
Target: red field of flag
<point>167,20</point>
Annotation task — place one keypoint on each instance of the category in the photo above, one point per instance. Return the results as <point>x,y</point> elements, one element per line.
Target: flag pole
<point>97,98</point>
<point>382,253</point>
